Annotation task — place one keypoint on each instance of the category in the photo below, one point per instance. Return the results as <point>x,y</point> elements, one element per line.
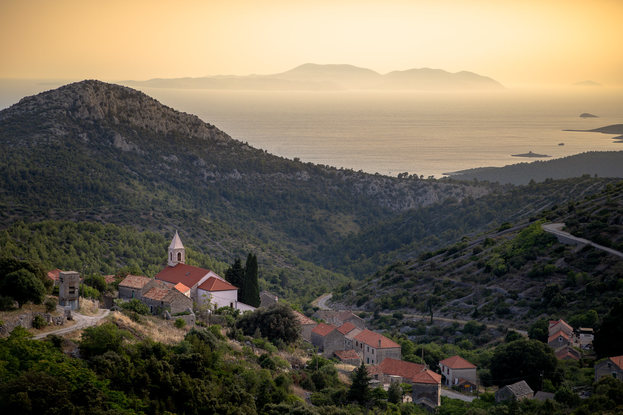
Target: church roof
<point>216,284</point>
<point>186,274</point>
<point>176,242</point>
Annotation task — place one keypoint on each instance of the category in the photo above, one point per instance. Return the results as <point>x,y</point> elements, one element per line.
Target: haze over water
<point>422,133</point>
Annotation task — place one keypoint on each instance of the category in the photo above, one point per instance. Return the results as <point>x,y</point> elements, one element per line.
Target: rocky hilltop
<point>110,154</point>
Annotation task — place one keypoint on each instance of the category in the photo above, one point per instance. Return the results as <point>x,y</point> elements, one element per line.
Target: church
<point>204,285</point>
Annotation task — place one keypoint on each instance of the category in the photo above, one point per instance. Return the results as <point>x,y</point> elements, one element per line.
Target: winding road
<point>566,238</point>
<point>82,322</point>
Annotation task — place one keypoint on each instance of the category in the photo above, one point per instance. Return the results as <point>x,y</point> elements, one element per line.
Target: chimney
<point>379,343</point>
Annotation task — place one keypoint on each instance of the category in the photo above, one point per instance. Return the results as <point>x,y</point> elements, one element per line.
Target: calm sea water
<point>390,133</point>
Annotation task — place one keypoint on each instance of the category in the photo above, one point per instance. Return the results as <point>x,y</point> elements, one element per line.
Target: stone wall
<point>25,320</point>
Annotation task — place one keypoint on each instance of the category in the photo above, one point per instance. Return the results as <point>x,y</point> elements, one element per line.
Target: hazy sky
<point>515,42</point>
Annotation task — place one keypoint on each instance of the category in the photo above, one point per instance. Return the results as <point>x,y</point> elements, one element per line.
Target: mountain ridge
<point>311,76</point>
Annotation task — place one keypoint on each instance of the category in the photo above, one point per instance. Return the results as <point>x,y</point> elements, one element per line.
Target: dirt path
<point>82,321</point>
<point>321,302</point>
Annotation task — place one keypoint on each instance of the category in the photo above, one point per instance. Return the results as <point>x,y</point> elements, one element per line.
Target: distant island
<point>588,115</point>
<point>587,83</point>
<point>602,164</point>
<point>317,77</point>
<point>615,129</point>
<point>530,154</point>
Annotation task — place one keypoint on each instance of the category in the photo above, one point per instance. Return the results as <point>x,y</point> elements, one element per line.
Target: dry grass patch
<point>88,307</point>
<point>158,330</point>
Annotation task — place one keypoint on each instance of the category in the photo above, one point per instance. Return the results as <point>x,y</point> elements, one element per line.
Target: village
<point>179,290</point>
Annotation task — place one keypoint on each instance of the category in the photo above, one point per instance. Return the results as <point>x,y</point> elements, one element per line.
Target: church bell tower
<point>177,253</point>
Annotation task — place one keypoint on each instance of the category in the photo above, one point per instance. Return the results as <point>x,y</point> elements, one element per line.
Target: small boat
<point>561,144</point>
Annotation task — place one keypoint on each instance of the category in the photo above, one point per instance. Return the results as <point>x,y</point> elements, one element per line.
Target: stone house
<point>612,366</point>
<point>267,299</point>
<point>586,337</point>
<point>455,368</point>
<point>53,275</point>
<point>339,317</point>
<point>398,370</point>
<point>559,339</point>
<point>160,298</point>
<point>559,325</point>
<point>307,325</point>
<point>349,357</point>
<point>132,286</point>
<point>567,353</point>
<point>427,389</point>
<point>519,390</point>
<point>327,339</point>
<point>374,347</point>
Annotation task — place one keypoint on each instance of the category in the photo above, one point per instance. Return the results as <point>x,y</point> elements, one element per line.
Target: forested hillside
<point>516,273</point>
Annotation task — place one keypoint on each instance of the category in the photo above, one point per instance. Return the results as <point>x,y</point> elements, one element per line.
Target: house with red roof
<point>205,286</point>
<point>327,338</point>
<point>611,366</point>
<point>374,347</point>
<point>306,323</point>
<point>339,317</point>
<point>53,275</point>
<point>162,297</point>
<point>455,368</point>
<point>132,286</point>
<point>349,357</point>
<point>567,353</point>
<point>426,389</point>
<point>399,370</point>
<point>559,325</point>
<point>560,339</point>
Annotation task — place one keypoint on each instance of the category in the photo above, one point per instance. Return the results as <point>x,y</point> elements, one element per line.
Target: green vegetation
<point>515,275</point>
<point>21,281</point>
<point>277,323</point>
<point>246,279</point>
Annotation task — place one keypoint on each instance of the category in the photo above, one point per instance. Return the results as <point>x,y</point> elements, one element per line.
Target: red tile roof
<point>567,353</point>
<point>323,329</point>
<point>53,275</point>
<point>427,376</point>
<point>186,274</point>
<point>558,333</point>
<point>378,341</point>
<point>406,370</point>
<point>110,278</point>
<point>303,319</point>
<point>346,354</point>
<point>346,327</point>
<point>564,324</point>
<point>134,281</point>
<point>181,288</point>
<point>457,362</point>
<point>617,360</point>
<point>216,284</point>
<point>157,294</point>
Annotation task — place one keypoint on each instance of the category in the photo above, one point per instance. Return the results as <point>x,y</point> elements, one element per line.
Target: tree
<point>524,359</point>
<point>360,389</point>
<point>608,337</point>
<point>23,286</point>
<point>100,339</point>
<point>235,274</point>
<point>277,322</point>
<point>250,291</point>
<point>394,393</point>
<point>539,330</point>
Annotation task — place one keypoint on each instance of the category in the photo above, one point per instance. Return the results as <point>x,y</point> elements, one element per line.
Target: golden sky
<point>515,42</point>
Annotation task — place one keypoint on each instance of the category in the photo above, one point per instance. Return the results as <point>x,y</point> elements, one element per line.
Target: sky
<point>514,42</point>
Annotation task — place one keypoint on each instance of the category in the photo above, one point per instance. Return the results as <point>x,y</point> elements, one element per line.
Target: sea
<point>423,133</point>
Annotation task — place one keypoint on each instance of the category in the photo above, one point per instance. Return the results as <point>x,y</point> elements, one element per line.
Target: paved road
<point>455,395</point>
<point>321,302</point>
<point>82,321</point>
<point>566,238</point>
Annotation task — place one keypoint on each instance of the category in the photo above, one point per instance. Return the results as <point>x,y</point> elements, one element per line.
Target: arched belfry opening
<point>177,252</point>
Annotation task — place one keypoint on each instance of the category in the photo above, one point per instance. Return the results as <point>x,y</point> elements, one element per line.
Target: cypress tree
<point>360,389</point>
<point>235,274</point>
<point>250,286</point>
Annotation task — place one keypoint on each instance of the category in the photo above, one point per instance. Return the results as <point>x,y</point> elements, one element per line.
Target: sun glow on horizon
<point>548,41</point>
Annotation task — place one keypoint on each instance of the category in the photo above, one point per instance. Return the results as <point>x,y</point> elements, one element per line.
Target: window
<point>179,256</point>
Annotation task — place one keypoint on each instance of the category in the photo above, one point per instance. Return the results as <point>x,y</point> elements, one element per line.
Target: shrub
<point>180,323</point>
<point>39,322</point>
<point>50,305</point>
<point>135,305</point>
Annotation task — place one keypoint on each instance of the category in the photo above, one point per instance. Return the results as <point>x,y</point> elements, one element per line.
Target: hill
<point>312,76</point>
<point>516,273</point>
<point>98,152</point>
<point>595,163</point>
